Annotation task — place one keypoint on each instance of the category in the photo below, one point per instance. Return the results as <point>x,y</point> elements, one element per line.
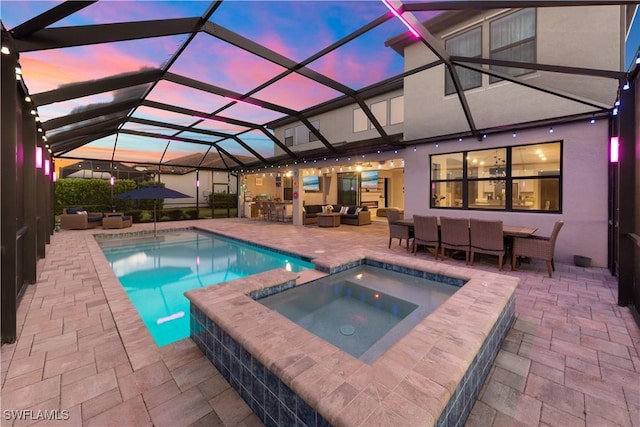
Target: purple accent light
<point>401,18</point>
<point>614,149</point>
<point>47,167</point>
<point>112,181</point>
<point>38,157</point>
<point>54,177</point>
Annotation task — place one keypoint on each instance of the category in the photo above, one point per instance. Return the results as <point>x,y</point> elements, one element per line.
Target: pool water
<point>362,311</point>
<point>155,273</point>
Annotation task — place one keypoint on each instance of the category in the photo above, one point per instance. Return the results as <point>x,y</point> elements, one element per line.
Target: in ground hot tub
<point>289,376</point>
<point>363,310</point>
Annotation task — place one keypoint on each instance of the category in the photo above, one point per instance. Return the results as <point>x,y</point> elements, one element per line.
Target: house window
<point>288,137</point>
<point>379,110</point>
<point>513,38</point>
<point>396,107</point>
<point>359,120</point>
<point>467,44</point>
<point>517,179</point>
<point>312,136</point>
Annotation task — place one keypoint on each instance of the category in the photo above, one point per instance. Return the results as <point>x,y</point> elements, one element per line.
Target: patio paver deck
<point>570,359</point>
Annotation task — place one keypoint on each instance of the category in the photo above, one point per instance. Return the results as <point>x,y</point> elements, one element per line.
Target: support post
<point>8,227</point>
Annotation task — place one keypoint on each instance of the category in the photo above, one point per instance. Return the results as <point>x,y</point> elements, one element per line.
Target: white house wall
<point>584,187</point>
<point>337,125</point>
<point>563,37</point>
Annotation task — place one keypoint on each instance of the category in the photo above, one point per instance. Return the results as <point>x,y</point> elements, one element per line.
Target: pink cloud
<point>222,64</point>
<point>48,70</point>
<point>183,96</point>
<point>297,92</point>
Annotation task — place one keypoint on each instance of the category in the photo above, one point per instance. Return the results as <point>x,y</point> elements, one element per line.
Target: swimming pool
<point>155,272</point>
<point>363,310</point>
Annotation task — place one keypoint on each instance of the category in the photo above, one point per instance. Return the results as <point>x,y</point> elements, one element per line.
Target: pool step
<point>309,275</point>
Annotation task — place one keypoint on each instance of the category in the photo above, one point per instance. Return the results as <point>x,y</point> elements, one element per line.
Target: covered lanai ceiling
<point>155,82</point>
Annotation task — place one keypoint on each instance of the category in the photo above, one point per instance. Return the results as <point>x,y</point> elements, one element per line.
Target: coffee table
<point>328,220</point>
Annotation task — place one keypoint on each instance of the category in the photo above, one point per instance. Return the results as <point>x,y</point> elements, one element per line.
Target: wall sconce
<point>38,157</point>
<point>47,167</point>
<point>197,183</point>
<point>112,181</point>
<point>614,149</point>
<point>54,177</point>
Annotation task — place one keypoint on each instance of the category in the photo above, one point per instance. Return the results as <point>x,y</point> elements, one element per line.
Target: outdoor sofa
<point>355,215</point>
<point>79,219</point>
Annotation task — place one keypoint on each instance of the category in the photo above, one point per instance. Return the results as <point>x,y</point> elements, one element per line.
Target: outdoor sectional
<point>79,219</point>
<point>352,217</point>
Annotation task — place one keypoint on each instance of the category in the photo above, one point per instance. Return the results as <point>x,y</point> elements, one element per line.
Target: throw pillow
<point>358,210</point>
<point>324,209</point>
<point>344,210</point>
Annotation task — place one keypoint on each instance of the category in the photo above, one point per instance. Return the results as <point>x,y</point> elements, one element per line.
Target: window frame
<point>288,139</point>
<point>509,179</point>
<point>447,76</point>
<point>398,101</point>
<point>353,118</point>
<point>384,119</point>
<point>534,39</point>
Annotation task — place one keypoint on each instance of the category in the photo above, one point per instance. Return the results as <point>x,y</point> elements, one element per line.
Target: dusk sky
<point>296,30</point>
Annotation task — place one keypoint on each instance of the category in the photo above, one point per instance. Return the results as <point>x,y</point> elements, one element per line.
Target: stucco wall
<point>337,125</point>
<point>584,187</point>
<point>563,37</point>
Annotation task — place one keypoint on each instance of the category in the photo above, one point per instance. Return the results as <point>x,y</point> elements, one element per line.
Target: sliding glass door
<point>348,187</point>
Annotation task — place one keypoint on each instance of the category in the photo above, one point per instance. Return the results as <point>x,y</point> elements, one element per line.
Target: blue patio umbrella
<point>152,192</point>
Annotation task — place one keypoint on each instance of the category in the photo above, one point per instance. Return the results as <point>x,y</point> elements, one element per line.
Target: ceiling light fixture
<point>626,85</point>
<point>5,50</point>
<point>401,18</point>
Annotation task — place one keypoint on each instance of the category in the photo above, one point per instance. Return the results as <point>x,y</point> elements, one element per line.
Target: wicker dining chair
<point>272,212</point>
<point>537,247</point>
<point>454,235</point>
<point>487,238</point>
<point>261,209</point>
<point>425,233</point>
<point>397,231</point>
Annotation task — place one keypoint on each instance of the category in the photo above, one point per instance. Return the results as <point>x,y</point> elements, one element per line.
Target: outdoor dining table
<point>507,230</point>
